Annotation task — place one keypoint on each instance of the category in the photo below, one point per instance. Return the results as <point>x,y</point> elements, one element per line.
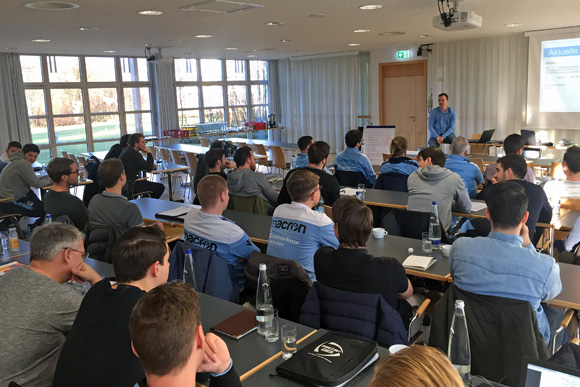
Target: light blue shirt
<point>353,160</point>
<point>298,232</point>
<point>301,160</point>
<point>218,233</point>
<point>499,265</point>
<point>442,124</point>
<point>402,165</point>
<point>469,172</point>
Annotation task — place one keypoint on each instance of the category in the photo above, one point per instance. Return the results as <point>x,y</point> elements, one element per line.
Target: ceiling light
<point>294,50</point>
<point>354,44</point>
<point>285,40</point>
<point>361,30</point>
<point>202,36</point>
<point>514,25</point>
<point>322,14</point>
<point>189,53</point>
<point>231,48</point>
<point>252,56</point>
<point>10,48</point>
<point>52,5</point>
<point>41,40</point>
<point>370,7</point>
<point>392,33</point>
<point>175,41</point>
<point>150,13</point>
<point>424,36</point>
<point>87,29</point>
<point>274,23</point>
<point>109,51</point>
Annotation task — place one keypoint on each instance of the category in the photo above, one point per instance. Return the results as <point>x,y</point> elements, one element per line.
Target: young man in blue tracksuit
<point>301,160</point>
<point>206,228</point>
<point>297,231</point>
<point>352,159</point>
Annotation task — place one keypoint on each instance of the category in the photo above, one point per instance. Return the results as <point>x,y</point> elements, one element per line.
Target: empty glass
<point>288,333</point>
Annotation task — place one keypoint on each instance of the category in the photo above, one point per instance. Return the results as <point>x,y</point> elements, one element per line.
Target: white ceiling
<point>120,28</point>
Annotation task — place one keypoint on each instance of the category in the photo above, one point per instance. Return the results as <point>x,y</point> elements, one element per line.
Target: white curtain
<point>486,82</point>
<point>163,97</point>
<point>14,125</point>
<point>318,97</point>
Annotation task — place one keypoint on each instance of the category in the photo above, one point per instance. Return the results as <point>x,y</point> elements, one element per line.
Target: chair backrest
<point>153,150</point>
<point>74,159</point>
<point>289,281</point>
<point>351,178</point>
<point>175,156</point>
<point>328,211</point>
<point>213,274</point>
<point>278,159</point>
<point>409,224</point>
<point>165,154</point>
<point>82,161</point>
<point>501,332</point>
<point>479,162</point>
<point>158,153</point>
<point>260,149</point>
<point>359,315</point>
<point>252,204</point>
<point>242,144</point>
<point>392,181</point>
<point>191,162</point>
<point>65,154</point>
<point>386,156</point>
<point>203,142</point>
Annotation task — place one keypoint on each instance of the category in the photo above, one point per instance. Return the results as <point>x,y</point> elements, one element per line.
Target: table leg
<point>170,186</point>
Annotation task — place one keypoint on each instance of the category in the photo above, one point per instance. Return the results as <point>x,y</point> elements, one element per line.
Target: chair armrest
<point>424,306</point>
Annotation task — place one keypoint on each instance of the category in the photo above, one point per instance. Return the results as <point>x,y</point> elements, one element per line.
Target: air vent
<point>221,6</point>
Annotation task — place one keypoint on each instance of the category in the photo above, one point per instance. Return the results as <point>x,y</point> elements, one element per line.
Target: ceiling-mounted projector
<point>157,57</point>
<point>459,21</point>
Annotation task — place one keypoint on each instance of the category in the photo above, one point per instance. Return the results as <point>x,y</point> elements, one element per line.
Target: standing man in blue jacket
<point>442,122</point>
<point>352,159</point>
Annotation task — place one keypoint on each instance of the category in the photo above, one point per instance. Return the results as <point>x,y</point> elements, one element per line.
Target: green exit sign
<point>403,54</point>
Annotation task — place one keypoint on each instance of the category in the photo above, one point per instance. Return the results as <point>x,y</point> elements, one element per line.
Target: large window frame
<point>200,83</point>
<point>87,113</point>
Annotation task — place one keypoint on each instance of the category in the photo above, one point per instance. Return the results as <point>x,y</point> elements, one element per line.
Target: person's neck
<point>136,148</point>
<point>213,210</point>
<point>59,187</point>
<point>309,203</point>
<point>215,169</point>
<point>146,284</point>
<point>345,246</point>
<point>46,268</point>
<point>507,231</point>
<point>245,166</point>
<point>185,378</point>
<point>317,166</point>
<point>117,189</point>
<point>573,176</point>
<point>443,110</point>
<point>304,152</point>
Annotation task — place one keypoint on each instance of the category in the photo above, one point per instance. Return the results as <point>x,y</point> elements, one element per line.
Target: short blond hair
<point>209,189</point>
<point>416,366</point>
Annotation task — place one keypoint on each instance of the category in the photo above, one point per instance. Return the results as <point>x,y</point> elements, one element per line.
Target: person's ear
<point>487,215</point>
<point>199,338</point>
<point>525,217</point>
<point>133,349</point>
<point>154,269</point>
<point>335,228</point>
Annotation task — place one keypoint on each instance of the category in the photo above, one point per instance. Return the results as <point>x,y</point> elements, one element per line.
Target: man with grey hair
<point>458,163</point>
<point>38,311</point>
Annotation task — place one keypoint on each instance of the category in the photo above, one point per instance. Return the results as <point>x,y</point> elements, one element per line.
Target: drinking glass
<point>288,333</point>
<point>272,330</point>
<point>426,244</point>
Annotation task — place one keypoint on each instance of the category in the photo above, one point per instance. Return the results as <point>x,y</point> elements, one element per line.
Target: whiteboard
<point>377,140</point>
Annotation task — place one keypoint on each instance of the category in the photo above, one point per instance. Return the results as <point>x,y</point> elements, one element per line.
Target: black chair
<point>410,224</point>
<point>392,181</point>
<point>351,179</point>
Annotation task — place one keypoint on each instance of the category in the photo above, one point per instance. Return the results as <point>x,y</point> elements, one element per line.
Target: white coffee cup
<point>379,232</point>
<point>445,249</point>
<point>396,348</point>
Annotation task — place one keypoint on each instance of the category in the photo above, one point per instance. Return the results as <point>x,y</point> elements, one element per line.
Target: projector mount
<point>447,17</point>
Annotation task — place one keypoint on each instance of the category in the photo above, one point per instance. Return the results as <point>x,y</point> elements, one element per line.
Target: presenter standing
<point>442,122</point>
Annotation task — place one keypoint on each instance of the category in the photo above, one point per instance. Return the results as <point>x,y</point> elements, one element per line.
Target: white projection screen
<point>554,79</point>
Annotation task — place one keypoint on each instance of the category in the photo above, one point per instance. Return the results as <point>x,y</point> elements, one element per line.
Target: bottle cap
<point>48,216</point>
<point>262,266</point>
<point>459,304</point>
<point>434,203</point>
<point>188,251</point>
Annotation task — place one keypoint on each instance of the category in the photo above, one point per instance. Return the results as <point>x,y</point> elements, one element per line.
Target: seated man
<point>505,263</point>
<point>110,208</point>
<point>134,163</point>
<point>97,351</point>
<point>458,163</point>
<point>317,157</point>
<point>206,228</point>
<point>58,201</point>
<point>352,159</point>
<point>297,231</point>
<point>513,167</point>
<point>5,158</point>
<point>513,144</point>
<point>244,182</point>
<point>117,149</point>
<point>569,188</point>
<point>16,180</point>
<point>216,162</point>
<point>301,160</point>
<point>352,268</point>
<point>167,337</point>
<point>37,310</point>
<point>433,183</point>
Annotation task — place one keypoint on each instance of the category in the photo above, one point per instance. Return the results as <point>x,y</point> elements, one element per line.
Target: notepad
<point>477,206</point>
<point>238,325</point>
<point>348,191</point>
<point>177,214</point>
<point>418,262</point>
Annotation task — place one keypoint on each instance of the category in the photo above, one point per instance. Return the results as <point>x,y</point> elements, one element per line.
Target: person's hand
<point>216,357</point>
<point>525,234</point>
<point>440,139</point>
<point>230,164</point>
<point>145,149</point>
<point>84,272</point>
<point>158,225</point>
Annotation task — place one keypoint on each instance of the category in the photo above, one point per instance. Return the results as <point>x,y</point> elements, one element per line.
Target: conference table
<point>283,145</point>
<point>169,168</point>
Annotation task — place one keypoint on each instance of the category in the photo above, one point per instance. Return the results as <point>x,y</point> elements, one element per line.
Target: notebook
<point>176,214</point>
<point>238,325</point>
<point>418,262</point>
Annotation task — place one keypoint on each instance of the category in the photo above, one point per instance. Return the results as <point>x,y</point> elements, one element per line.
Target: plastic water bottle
<point>320,205</point>
<point>189,270</point>
<point>263,300</point>
<point>434,228</point>
<point>293,161</point>
<point>458,348</point>
<point>82,174</point>
<point>13,240</point>
<point>47,219</point>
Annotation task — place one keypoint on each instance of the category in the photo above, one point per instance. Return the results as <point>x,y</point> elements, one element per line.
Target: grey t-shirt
<point>110,209</point>
<point>63,203</point>
<point>36,315</point>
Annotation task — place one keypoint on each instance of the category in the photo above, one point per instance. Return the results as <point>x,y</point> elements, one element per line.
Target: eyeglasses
<point>73,172</point>
<point>83,254</point>
<point>317,189</point>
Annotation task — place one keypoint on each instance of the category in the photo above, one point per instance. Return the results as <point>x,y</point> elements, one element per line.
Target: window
<point>213,90</point>
<point>78,104</point>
